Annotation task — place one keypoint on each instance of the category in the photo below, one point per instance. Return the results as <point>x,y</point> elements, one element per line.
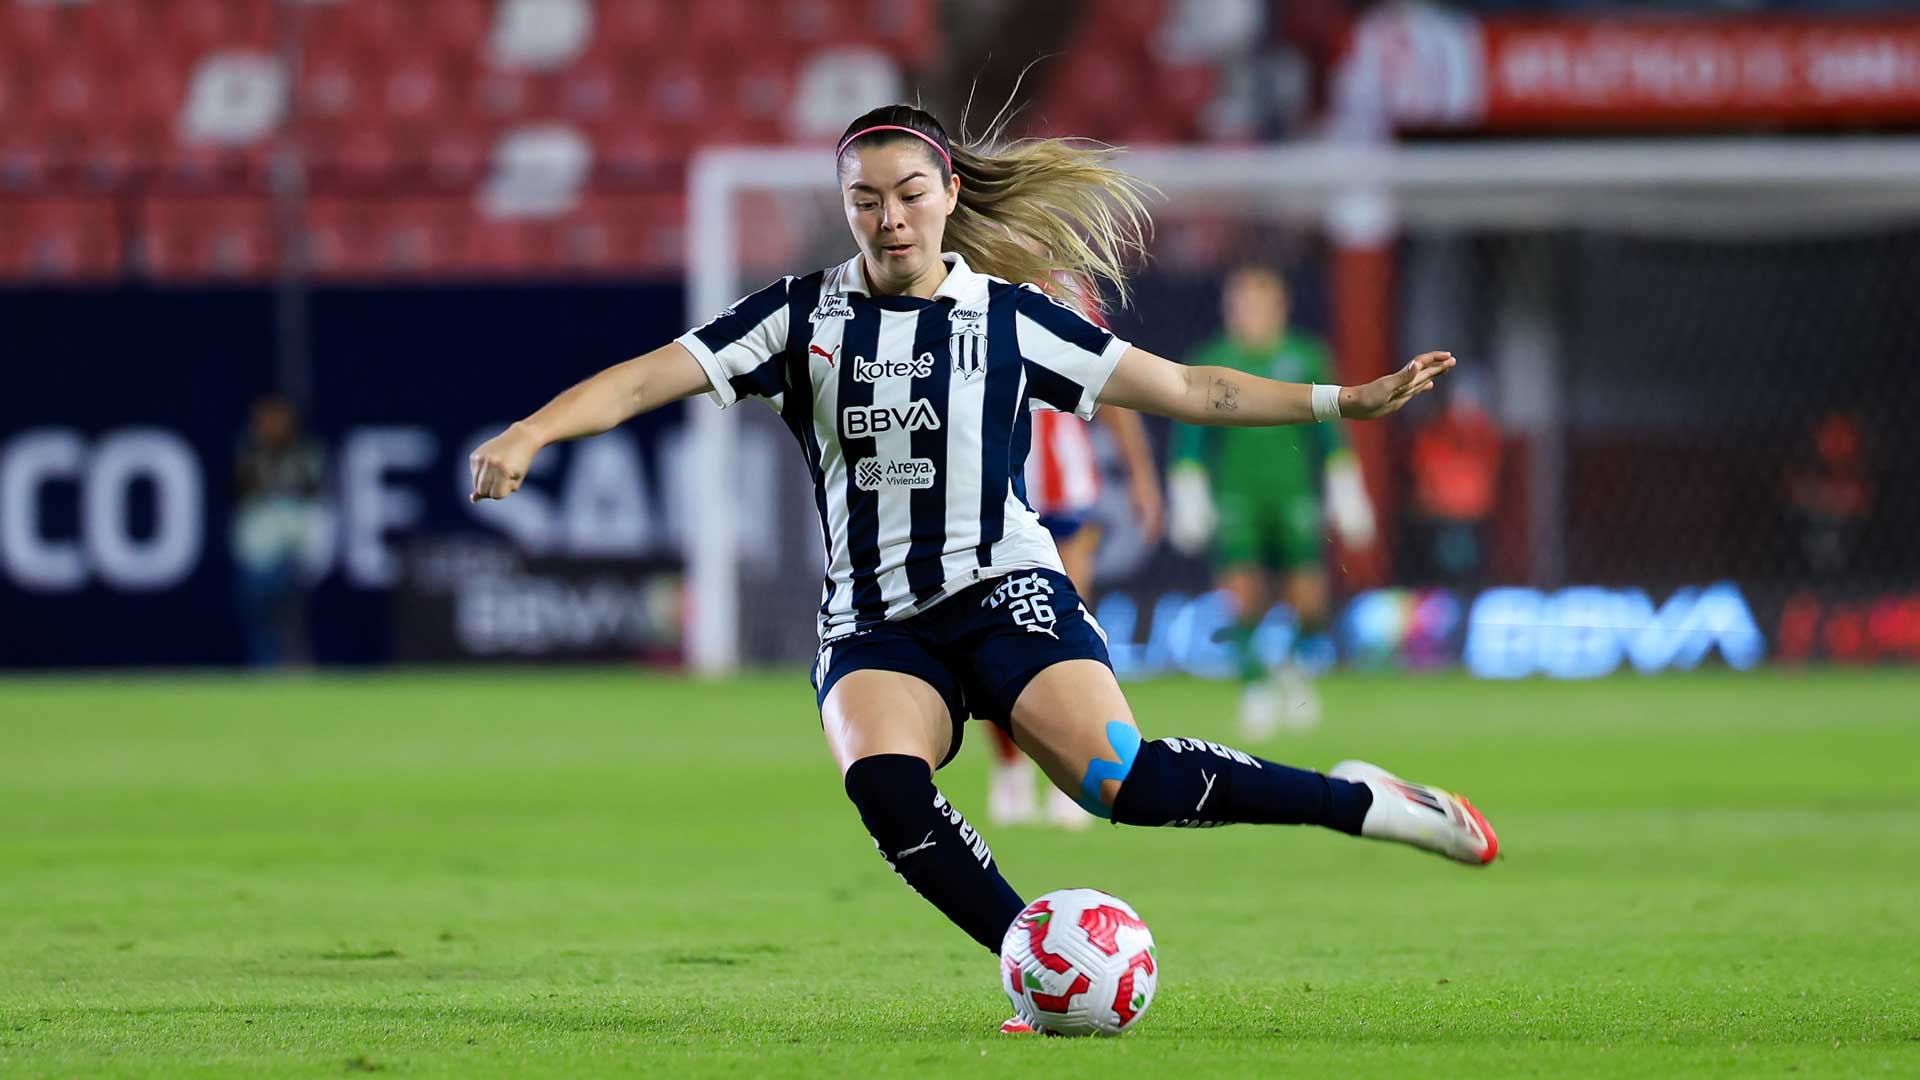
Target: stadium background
<point>414,220</point>
<point>417,220</point>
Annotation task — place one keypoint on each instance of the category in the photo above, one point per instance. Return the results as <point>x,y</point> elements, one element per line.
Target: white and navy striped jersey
<point>914,417</point>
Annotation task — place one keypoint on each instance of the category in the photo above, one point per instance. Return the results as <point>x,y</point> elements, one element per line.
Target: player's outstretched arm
<point>1223,397</point>
<point>590,407</point>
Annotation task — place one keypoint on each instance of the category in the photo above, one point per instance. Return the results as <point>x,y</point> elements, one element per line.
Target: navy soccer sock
<point>1194,782</point>
<point>930,844</point>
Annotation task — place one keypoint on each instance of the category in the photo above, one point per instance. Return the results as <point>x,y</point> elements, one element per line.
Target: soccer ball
<point>1079,962</point>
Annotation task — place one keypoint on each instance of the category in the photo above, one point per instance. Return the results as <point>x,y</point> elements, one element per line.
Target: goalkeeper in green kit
<point>1257,495</point>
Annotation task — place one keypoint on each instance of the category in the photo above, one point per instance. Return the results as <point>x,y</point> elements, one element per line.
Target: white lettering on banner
<point>532,616</point>
<point>1585,632</point>
<point>872,474</point>
<point>605,499</point>
<point>859,421</point>
<point>33,459</point>
<point>167,557</point>
<point>373,506</point>
<point>105,477</point>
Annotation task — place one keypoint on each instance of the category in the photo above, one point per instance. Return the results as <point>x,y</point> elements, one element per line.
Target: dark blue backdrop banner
<point>122,415</point>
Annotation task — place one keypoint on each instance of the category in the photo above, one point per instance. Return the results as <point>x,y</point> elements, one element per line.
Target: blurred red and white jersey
<point>1063,477</point>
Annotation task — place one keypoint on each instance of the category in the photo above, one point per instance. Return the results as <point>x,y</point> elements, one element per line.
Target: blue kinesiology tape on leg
<point>1125,740</point>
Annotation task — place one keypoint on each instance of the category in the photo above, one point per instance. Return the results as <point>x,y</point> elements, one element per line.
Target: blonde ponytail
<point>1053,212</point>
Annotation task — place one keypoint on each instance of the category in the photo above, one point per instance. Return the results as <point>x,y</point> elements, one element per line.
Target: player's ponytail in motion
<point>1030,210</point>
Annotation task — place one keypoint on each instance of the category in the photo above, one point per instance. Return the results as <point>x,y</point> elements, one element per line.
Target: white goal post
<point>1722,187</point>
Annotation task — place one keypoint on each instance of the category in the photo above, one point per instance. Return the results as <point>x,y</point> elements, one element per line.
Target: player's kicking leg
<point>1076,723</point>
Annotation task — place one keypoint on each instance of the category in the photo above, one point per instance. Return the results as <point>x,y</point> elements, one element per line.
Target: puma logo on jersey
<point>860,421</point>
<point>825,353</point>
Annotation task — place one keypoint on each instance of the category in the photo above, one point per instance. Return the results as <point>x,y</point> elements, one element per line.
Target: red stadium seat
<point>496,94</point>
<point>650,25</point>
<point>511,247</point>
<point>598,90</point>
<point>623,234</point>
<point>423,236</point>
<point>415,90</point>
<point>631,152</point>
<point>681,93</point>
<point>26,158</point>
<point>37,29</point>
<point>457,154</point>
<point>461,28</point>
<point>122,30</point>
<point>195,238</point>
<point>200,26</point>
<point>361,239</point>
<point>339,238</point>
<point>69,91</point>
<point>726,22</point>
<point>152,91</point>
<point>111,157</point>
<point>62,239</point>
<point>334,86</point>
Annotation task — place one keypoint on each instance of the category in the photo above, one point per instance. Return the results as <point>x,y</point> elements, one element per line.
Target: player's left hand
<point>1388,393</point>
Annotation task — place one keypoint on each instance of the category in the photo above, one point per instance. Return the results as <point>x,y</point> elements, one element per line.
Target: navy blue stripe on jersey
<point>763,381</point>
<point>797,408</point>
<point>736,323</point>
<point>739,320</point>
<point>1062,322</point>
<point>1055,389</point>
<point>931,335</point>
<point>1022,446</point>
<point>863,507</point>
<point>998,415</point>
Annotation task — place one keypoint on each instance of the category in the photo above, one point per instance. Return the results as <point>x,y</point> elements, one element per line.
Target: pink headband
<point>944,156</point>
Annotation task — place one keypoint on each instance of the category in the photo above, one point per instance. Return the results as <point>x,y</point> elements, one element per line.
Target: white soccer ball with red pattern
<point>1079,962</point>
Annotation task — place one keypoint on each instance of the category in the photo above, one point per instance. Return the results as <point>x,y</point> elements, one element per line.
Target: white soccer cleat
<point>1010,792</point>
<point>1426,817</point>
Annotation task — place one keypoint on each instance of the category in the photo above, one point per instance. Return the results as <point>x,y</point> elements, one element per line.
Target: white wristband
<point>1326,402</point>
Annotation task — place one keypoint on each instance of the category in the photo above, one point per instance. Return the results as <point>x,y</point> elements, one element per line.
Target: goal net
<point>1694,358</point>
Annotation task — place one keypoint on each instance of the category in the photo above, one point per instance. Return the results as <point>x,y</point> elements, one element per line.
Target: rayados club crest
<point>969,343</point>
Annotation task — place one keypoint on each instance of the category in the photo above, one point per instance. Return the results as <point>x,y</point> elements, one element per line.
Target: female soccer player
<point>905,374</point>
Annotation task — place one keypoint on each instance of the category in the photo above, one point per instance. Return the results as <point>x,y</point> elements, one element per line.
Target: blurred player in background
<point>1256,493</point>
<point>279,475</point>
<point>907,378</point>
<point>1063,483</point>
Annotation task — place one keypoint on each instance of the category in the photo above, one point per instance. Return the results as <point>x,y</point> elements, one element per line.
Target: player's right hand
<point>501,463</point>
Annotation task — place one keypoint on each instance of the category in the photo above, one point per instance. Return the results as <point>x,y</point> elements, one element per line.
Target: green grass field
<point>568,873</point>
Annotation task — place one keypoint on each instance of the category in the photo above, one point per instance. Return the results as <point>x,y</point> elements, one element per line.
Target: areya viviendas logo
<point>872,474</point>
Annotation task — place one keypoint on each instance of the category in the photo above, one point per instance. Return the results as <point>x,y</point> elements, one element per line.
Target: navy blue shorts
<point>1064,526</point>
<point>979,647</point>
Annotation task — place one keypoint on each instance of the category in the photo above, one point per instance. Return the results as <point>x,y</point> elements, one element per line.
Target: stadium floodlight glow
<point>1723,187</point>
